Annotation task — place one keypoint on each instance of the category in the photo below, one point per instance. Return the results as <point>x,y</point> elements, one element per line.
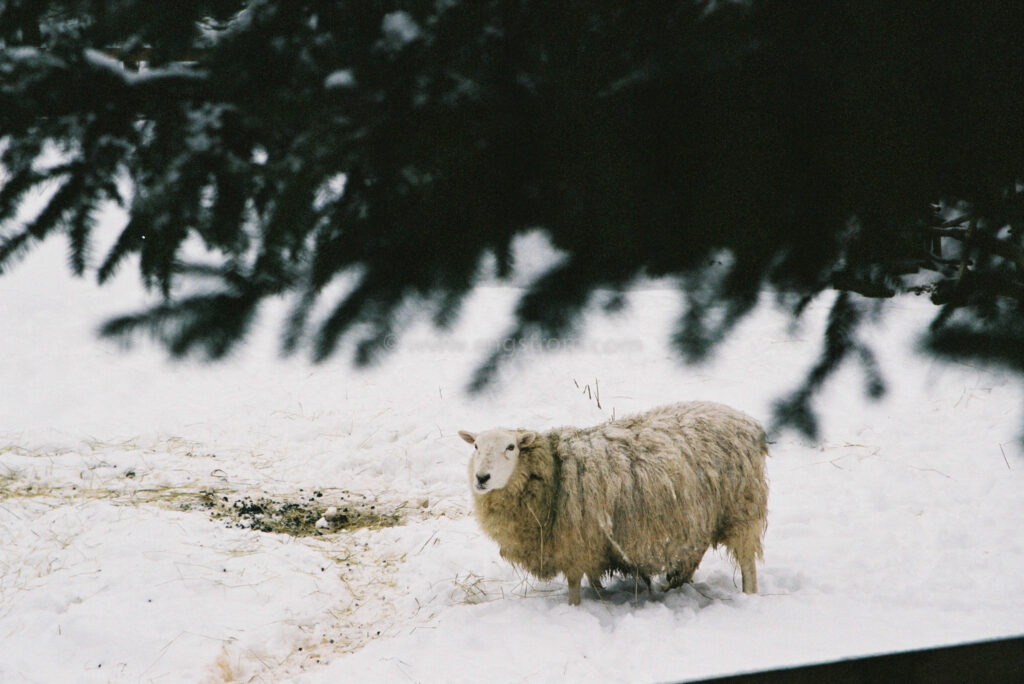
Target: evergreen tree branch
<point>1007,249</point>
<point>404,141</point>
<point>209,326</point>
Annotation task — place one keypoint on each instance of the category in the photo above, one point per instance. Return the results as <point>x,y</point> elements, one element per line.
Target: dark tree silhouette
<point>819,145</point>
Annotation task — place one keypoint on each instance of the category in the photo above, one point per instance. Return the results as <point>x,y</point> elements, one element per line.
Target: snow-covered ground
<point>899,529</point>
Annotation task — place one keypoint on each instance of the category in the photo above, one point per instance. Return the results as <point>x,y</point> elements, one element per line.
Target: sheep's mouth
<point>480,488</point>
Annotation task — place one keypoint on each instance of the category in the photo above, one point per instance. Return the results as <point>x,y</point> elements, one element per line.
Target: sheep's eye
<point>476,448</point>
<point>510,447</point>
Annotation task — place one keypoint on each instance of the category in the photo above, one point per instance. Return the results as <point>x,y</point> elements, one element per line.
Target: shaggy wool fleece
<point>645,494</point>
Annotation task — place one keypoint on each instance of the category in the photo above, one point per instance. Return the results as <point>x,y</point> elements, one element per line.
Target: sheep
<point>645,494</point>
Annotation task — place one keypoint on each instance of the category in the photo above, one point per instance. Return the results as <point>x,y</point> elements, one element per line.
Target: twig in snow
<point>709,597</point>
<point>933,470</point>
<point>432,535</point>
<point>399,666</point>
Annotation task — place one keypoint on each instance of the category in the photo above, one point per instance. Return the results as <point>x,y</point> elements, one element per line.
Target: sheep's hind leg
<point>574,580</point>
<point>749,571</point>
<point>594,579</point>
<point>745,545</point>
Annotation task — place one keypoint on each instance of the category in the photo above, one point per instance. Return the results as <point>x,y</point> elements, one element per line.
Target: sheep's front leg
<point>574,579</point>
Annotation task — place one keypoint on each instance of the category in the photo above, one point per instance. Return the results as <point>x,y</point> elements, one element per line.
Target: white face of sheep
<point>495,454</point>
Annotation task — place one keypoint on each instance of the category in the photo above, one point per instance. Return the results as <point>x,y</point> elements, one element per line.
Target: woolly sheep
<point>646,494</point>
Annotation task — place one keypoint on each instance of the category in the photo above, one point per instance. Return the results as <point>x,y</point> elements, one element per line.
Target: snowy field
<point>900,529</point>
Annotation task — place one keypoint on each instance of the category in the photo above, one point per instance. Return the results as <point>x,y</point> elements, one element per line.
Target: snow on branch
<point>175,71</point>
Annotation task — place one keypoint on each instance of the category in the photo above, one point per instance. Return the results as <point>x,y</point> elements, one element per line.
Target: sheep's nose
<point>481,480</point>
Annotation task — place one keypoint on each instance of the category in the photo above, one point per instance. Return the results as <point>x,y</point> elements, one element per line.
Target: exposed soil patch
<point>303,514</point>
<point>309,516</point>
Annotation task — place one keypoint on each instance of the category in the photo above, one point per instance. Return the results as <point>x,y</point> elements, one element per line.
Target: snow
<point>330,191</point>
<point>898,530</point>
<point>400,28</point>
<point>178,70</point>
<point>342,78</point>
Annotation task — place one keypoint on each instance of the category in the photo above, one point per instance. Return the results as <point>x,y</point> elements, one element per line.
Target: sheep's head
<point>495,455</point>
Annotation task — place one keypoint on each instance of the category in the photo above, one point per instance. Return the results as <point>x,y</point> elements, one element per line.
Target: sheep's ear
<point>467,437</point>
<point>526,438</point>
